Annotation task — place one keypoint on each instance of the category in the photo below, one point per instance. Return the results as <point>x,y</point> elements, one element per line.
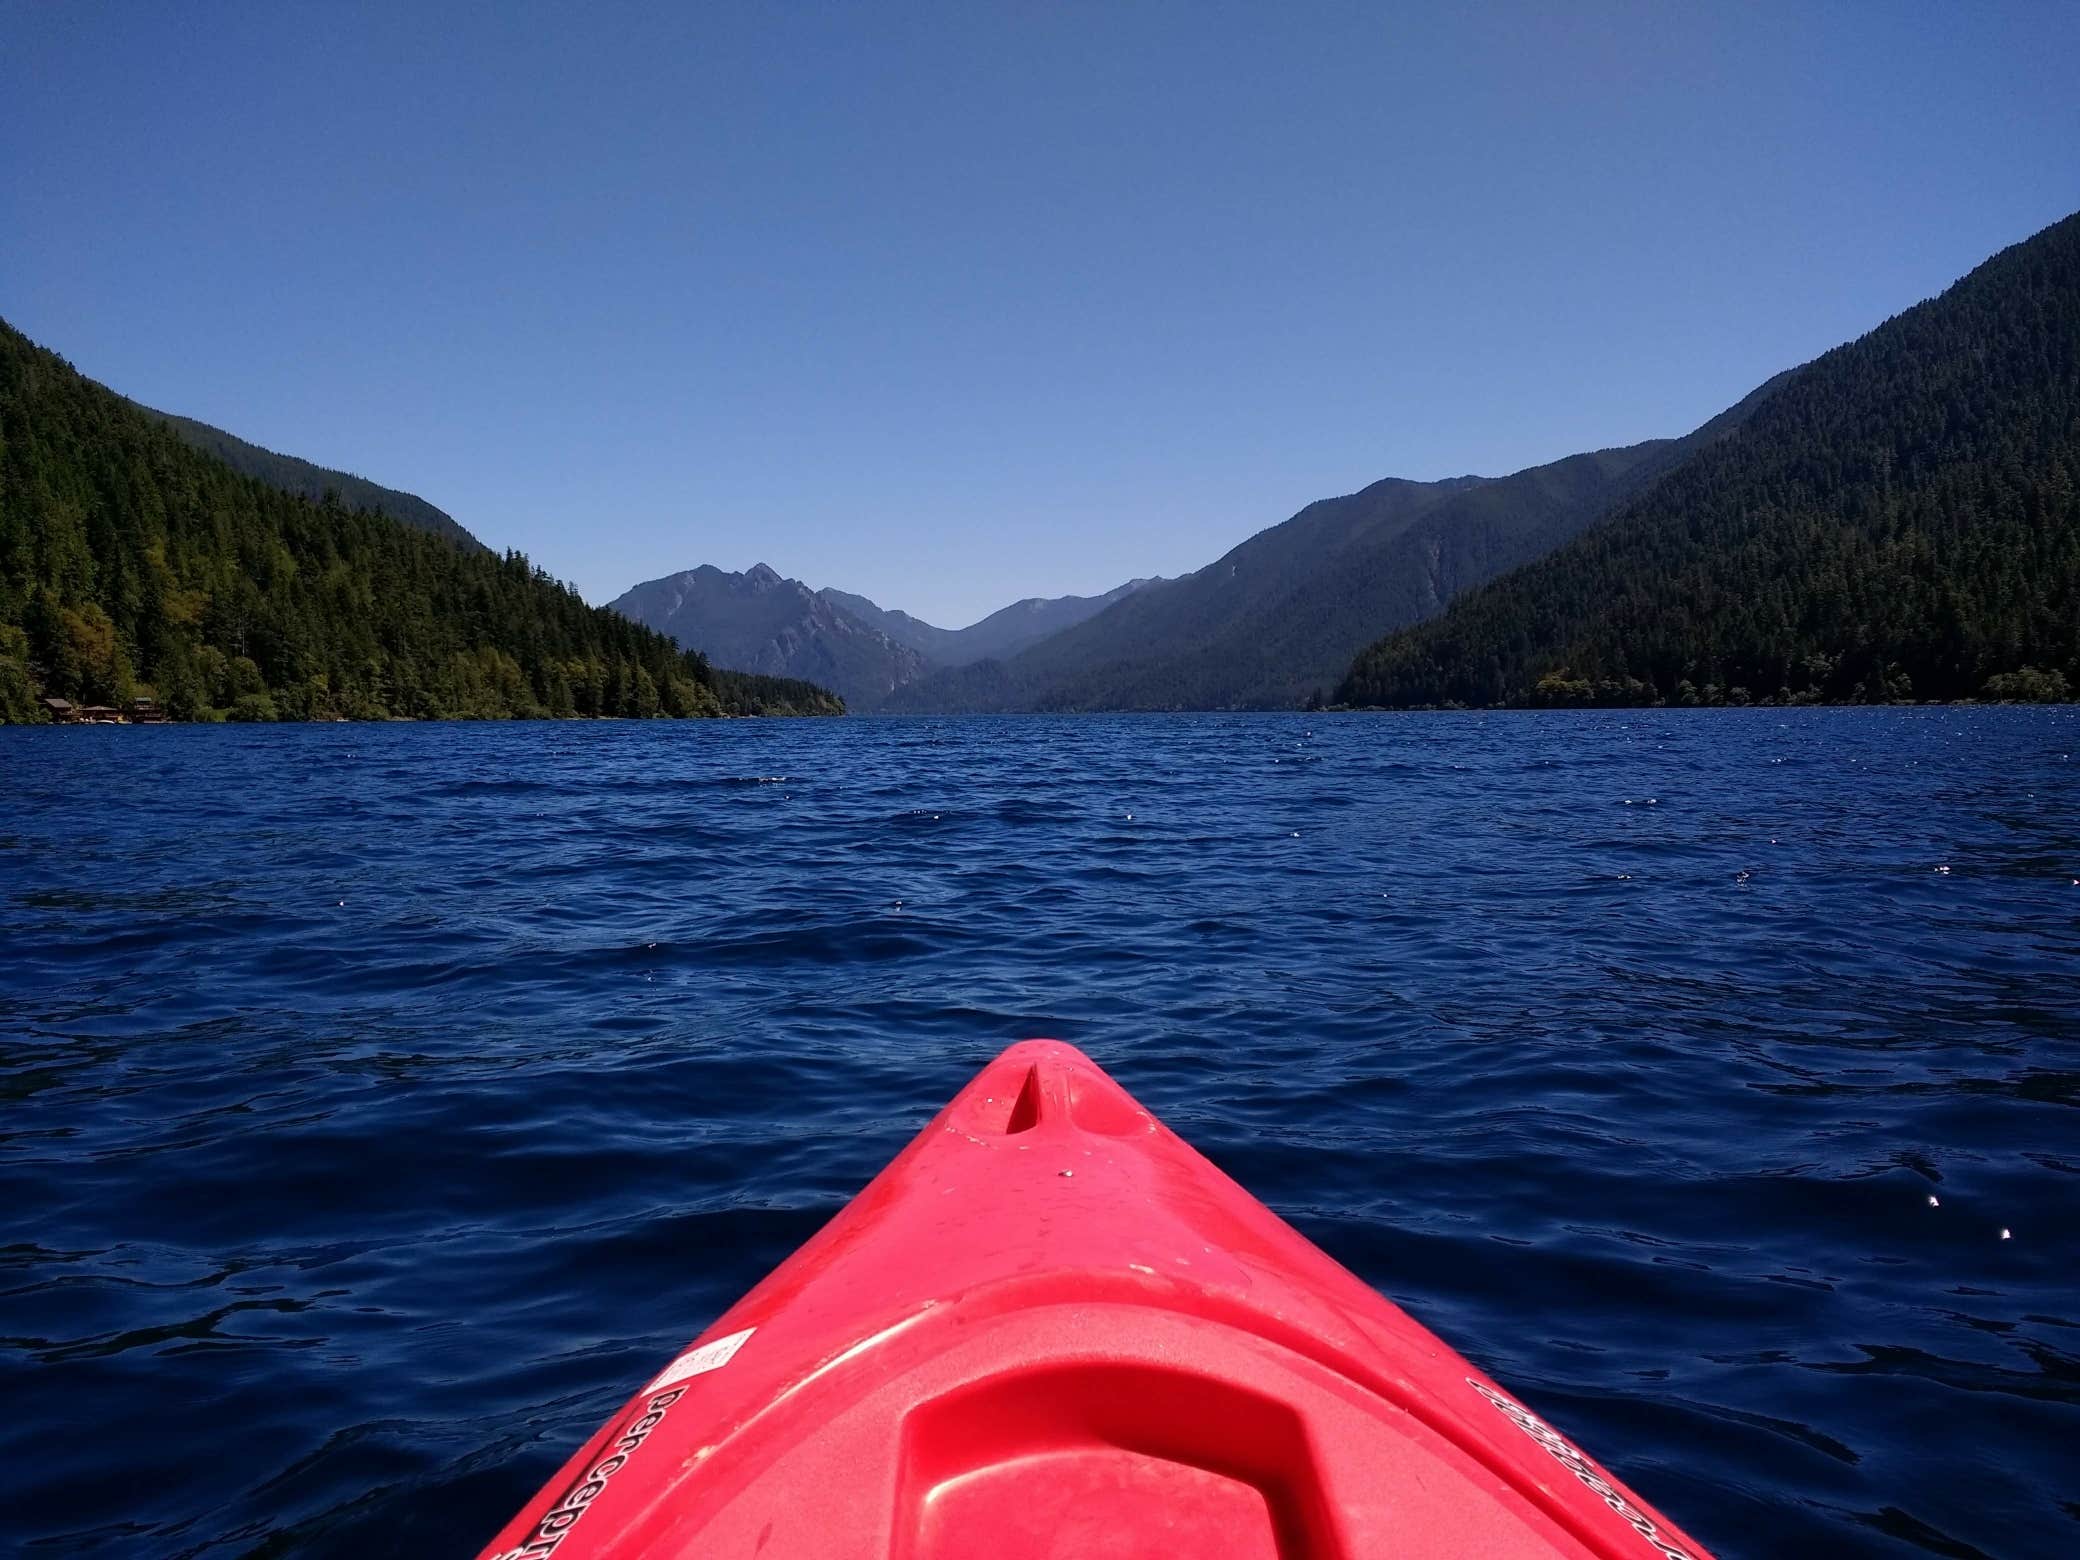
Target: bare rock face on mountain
<point>760,621</point>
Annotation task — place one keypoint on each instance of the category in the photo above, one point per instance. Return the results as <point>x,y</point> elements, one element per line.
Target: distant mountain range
<point>1277,620</point>
<point>761,621</point>
<point>1896,519</point>
<point>1004,632</point>
<point>1271,624</point>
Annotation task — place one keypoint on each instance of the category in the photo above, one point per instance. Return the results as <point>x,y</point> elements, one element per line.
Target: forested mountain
<point>763,622</point>
<point>132,564</point>
<point>1277,619</point>
<point>314,482</point>
<point>1898,521</point>
<point>1004,632</point>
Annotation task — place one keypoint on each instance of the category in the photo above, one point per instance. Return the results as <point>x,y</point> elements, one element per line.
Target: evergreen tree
<point>133,564</point>
<point>1897,521</point>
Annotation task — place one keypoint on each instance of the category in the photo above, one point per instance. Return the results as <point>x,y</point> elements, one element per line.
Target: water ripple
<point>381,1103</point>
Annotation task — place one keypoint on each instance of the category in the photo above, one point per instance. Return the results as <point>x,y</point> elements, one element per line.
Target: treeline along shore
<point>140,574</point>
<point>1896,521</point>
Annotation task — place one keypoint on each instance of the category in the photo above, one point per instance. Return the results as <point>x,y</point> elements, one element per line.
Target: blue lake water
<point>379,1105</point>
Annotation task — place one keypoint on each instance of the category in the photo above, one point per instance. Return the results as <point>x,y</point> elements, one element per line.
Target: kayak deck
<point>1050,1328</point>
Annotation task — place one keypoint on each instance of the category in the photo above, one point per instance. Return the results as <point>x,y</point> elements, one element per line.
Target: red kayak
<point>1051,1329</point>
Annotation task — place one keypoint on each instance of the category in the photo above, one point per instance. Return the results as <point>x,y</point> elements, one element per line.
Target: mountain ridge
<point>136,566</point>
<point>1276,620</point>
<point>307,479</point>
<point>1002,632</point>
<point>762,621</point>
<point>1898,521</point>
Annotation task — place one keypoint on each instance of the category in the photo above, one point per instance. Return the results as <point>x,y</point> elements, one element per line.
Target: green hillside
<point>1899,521</point>
<point>1276,620</point>
<point>132,564</point>
<point>314,482</point>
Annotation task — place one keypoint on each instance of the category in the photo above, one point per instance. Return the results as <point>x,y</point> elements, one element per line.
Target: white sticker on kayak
<point>1569,1456</point>
<point>698,1362</point>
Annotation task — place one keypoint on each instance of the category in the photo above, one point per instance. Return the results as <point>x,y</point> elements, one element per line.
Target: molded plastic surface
<point>1050,1329</point>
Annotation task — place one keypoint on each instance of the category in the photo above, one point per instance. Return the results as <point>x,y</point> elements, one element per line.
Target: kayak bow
<point>1051,1329</point>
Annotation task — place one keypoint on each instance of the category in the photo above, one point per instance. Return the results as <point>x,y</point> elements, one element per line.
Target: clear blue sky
<point>954,304</point>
